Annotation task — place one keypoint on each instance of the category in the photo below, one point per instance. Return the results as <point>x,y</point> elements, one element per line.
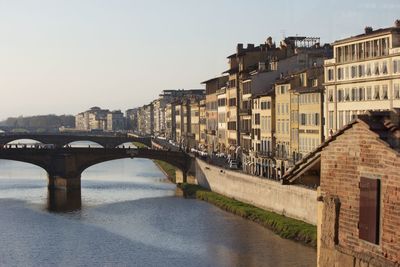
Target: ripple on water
<point>129,217</point>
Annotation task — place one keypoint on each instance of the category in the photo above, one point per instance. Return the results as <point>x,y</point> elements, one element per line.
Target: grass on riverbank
<point>168,169</point>
<point>139,145</point>
<point>283,226</point>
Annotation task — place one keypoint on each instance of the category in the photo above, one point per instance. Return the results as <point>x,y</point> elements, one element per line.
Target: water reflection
<point>63,200</point>
<point>126,215</point>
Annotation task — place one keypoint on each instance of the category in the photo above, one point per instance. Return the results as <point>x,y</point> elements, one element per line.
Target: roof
<point>213,79</point>
<point>386,124</point>
<point>285,79</point>
<point>270,92</point>
<point>368,35</point>
<point>232,70</point>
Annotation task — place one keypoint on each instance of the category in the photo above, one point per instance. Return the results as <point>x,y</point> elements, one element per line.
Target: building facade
<point>364,74</point>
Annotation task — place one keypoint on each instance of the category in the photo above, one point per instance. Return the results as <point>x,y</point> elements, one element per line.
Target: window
<point>384,92</point>
<point>347,117</point>
<point>330,119</point>
<point>232,102</point>
<point>369,210</point>
<point>341,119</point>
<point>316,119</point>
<point>302,119</point>
<point>347,94</point>
<point>376,72</point>
<point>330,96</point>
<point>263,105</point>
<point>257,119</point>
<point>354,94</point>
<point>384,67</point>
<point>360,70</point>
<point>376,92</point>
<point>340,95</point>
<point>232,125</point>
<point>368,70</point>
<point>361,93</point>
<point>396,91</point>
<point>340,73</point>
<point>221,102</point>
<point>369,94</point>
<point>353,71</point>
<point>396,65</point>
<point>330,74</point>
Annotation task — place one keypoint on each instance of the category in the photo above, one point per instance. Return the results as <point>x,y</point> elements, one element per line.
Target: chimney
<point>368,29</point>
<point>250,46</point>
<point>397,23</point>
<point>239,48</point>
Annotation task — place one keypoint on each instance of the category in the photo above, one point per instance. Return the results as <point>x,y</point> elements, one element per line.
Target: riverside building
<point>364,74</point>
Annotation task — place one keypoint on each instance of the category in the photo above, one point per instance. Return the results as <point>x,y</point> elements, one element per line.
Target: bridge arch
<point>28,161</point>
<point>27,141</point>
<point>65,165</point>
<point>91,143</point>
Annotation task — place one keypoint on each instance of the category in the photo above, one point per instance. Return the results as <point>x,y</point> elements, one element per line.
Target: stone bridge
<point>60,140</point>
<point>64,165</point>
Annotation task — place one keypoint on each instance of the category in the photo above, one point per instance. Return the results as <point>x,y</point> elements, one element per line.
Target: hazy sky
<point>63,57</point>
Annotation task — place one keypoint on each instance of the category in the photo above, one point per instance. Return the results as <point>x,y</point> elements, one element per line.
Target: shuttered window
<point>369,210</point>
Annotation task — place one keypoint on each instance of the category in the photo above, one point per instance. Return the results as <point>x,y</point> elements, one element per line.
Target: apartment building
<point>159,116</point>
<point>100,119</point>
<point>309,117</point>
<point>222,120</point>
<point>364,74</point>
<point>170,125</point>
<point>131,119</point>
<point>282,122</point>
<point>194,126</point>
<point>146,120</point>
<point>115,121</point>
<point>179,123</point>
<point>203,125</point>
<point>260,160</point>
<point>211,111</point>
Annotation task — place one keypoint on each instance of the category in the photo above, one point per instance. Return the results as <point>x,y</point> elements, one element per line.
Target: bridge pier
<point>63,200</point>
<point>68,184</point>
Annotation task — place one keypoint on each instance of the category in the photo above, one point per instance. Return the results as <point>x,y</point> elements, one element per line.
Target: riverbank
<point>283,226</point>
<point>166,168</point>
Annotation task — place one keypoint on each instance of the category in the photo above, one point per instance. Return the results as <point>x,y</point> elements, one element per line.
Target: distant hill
<point>40,121</point>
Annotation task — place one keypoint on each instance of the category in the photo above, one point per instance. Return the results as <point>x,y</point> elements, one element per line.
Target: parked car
<point>233,164</point>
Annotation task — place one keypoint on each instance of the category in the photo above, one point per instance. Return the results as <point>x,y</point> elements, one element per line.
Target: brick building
<point>359,203</point>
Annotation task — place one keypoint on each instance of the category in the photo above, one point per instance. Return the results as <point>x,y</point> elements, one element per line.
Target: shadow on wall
<point>200,175</point>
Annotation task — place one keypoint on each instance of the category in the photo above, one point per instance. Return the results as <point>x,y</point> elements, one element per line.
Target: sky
<point>65,56</point>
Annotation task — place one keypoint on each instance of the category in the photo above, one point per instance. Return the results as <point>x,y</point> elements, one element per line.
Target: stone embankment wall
<point>289,200</point>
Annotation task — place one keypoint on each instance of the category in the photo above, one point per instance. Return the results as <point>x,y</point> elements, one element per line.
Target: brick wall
<point>355,153</point>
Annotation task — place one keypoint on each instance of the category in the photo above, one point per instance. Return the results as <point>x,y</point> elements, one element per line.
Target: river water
<point>128,215</point>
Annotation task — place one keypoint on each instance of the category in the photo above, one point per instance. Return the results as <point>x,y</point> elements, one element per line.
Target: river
<point>128,215</point>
